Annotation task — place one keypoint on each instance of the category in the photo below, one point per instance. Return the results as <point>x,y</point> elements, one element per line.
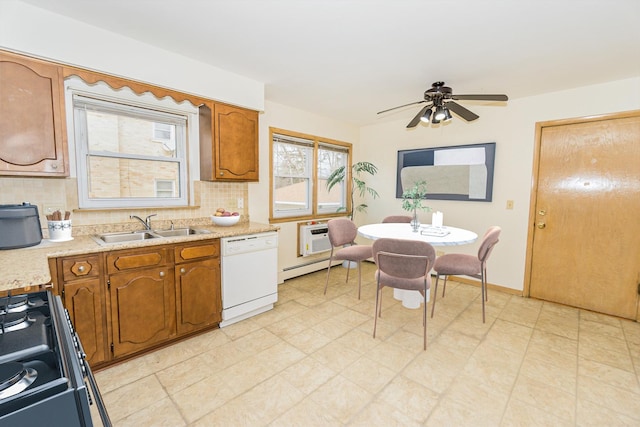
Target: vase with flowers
<point>412,201</point>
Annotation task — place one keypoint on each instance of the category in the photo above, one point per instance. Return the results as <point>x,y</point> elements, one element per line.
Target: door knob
<point>541,225</point>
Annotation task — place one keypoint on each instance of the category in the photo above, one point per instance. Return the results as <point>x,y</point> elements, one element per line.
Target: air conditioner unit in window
<point>314,239</point>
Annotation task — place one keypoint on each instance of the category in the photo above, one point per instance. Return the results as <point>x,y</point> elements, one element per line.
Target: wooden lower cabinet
<point>197,278</point>
<point>126,301</point>
<point>84,301</point>
<point>82,290</point>
<point>142,309</point>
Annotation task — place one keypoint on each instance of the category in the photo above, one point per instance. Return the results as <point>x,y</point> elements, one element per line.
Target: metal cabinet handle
<point>182,270</point>
<point>162,274</point>
<point>81,269</point>
<point>541,225</point>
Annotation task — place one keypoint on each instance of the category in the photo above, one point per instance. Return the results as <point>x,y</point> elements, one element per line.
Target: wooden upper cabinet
<point>33,140</point>
<point>228,144</point>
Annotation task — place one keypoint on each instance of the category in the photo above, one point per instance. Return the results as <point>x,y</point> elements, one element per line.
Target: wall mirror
<point>462,172</point>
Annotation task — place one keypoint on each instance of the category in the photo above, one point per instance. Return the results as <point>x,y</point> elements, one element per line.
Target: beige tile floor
<point>312,361</point>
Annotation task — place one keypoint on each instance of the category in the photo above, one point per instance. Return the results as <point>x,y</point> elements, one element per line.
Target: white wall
<point>283,117</point>
<point>37,32</point>
<point>513,129</point>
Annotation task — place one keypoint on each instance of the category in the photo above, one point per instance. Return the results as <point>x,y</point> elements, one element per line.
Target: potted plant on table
<point>357,184</point>
<point>412,200</point>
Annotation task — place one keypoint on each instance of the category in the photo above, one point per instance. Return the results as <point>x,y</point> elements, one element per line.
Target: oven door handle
<point>102,410</point>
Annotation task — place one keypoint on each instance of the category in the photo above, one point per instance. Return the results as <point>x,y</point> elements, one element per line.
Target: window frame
<point>316,143</point>
<point>126,99</point>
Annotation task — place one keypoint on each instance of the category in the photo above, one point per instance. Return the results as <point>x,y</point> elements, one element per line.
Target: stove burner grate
<point>14,304</point>
<point>14,321</point>
<point>14,378</point>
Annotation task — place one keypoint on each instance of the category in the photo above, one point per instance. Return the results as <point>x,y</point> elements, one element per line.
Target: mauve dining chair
<point>342,233</point>
<point>398,219</point>
<point>467,265</point>
<point>403,264</point>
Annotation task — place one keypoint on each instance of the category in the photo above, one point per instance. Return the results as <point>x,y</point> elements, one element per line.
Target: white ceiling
<point>349,59</point>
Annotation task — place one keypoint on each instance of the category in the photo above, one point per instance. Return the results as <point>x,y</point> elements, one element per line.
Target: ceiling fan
<point>440,100</point>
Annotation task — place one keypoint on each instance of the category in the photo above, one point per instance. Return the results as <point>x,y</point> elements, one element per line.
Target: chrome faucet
<point>146,222</point>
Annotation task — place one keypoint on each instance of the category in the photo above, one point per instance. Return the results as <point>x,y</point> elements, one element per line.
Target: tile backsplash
<point>53,193</point>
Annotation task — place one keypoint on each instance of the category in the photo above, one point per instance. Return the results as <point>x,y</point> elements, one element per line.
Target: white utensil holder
<point>59,230</point>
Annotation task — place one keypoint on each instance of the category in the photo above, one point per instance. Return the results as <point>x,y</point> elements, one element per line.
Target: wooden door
<point>84,300</point>
<point>584,244</point>
<point>198,300</point>
<point>143,309</point>
<point>198,295</point>
<point>236,143</point>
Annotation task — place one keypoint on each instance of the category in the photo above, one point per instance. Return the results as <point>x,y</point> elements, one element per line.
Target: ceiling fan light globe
<point>439,115</point>
<point>447,114</point>
<point>426,116</point>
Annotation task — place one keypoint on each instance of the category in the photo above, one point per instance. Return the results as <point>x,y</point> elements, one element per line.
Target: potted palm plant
<point>358,185</point>
<point>412,200</point>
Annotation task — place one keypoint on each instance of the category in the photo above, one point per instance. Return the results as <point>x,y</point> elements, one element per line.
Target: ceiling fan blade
<point>481,97</point>
<point>413,123</point>
<point>400,106</point>
<point>461,111</point>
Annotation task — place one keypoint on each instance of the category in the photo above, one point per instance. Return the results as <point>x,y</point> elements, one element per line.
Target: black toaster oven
<point>19,226</point>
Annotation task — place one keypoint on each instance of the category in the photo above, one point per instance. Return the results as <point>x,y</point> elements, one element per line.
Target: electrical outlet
<point>240,203</point>
<point>509,204</point>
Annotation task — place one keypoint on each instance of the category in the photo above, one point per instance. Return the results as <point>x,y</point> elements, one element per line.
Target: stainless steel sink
<point>177,232</point>
<point>125,237</point>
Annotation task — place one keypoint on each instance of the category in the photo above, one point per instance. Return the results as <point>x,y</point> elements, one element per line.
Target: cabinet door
<point>32,124</point>
<point>198,295</point>
<point>143,309</point>
<point>235,143</point>
<point>84,300</point>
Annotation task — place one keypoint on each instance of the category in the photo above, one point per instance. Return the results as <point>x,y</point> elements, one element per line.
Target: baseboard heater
<point>315,261</point>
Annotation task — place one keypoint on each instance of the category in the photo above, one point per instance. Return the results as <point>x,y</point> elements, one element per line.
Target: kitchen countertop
<point>25,268</point>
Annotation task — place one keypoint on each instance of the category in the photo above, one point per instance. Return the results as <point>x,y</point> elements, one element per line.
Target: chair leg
<point>328,271</point>
<point>375,315</point>
<point>348,270</point>
<point>484,291</point>
<point>444,286</point>
<point>424,316</point>
<point>435,294</point>
<point>359,279</point>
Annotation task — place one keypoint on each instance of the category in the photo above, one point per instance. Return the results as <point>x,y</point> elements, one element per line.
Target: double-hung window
<point>300,166</point>
<point>130,154</point>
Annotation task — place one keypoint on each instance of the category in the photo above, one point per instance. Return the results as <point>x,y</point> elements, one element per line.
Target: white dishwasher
<point>249,275</point>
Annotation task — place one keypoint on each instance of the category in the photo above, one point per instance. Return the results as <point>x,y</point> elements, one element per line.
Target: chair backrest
<point>342,231</point>
<point>398,218</point>
<point>408,259</point>
<point>491,237</point>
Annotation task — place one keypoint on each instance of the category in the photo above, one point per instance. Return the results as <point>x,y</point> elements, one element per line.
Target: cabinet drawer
<point>188,252</point>
<point>84,267</point>
<point>125,260</point>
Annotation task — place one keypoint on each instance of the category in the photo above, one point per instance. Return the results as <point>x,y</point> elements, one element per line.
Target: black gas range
<point>44,377</point>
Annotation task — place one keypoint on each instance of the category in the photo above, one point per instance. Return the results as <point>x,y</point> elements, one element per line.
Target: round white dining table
<point>436,236</point>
